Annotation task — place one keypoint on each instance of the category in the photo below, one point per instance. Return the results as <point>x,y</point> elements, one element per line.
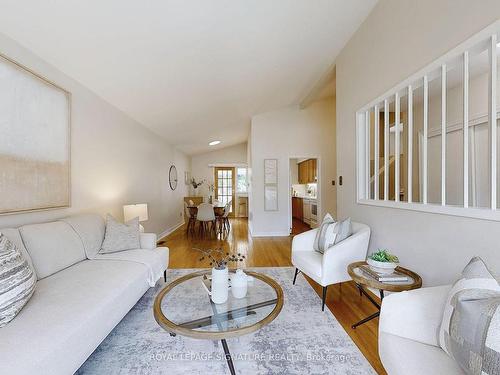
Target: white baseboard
<point>270,234</point>
<point>170,230</point>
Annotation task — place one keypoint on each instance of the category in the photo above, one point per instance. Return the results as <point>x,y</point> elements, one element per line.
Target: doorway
<point>304,194</point>
<point>225,186</point>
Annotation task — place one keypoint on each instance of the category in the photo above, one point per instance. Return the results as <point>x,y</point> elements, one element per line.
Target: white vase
<point>220,285</point>
<point>239,285</point>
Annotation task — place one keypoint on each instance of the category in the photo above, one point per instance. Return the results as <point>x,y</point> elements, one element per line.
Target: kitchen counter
<point>304,197</point>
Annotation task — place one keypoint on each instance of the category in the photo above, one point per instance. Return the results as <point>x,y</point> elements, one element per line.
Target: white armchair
<point>408,333</point>
<point>331,267</point>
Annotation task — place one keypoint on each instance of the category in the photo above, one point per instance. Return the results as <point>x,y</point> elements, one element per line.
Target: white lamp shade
<point>131,211</point>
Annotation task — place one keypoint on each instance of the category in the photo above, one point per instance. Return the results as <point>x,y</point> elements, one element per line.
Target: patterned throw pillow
<point>120,237</point>
<point>470,329</point>
<point>343,229</point>
<point>325,236</point>
<point>17,280</point>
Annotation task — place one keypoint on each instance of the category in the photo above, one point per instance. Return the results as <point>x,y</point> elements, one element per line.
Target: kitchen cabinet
<point>308,171</point>
<point>297,208</point>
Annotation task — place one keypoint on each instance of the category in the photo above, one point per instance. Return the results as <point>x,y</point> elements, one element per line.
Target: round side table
<point>364,281</point>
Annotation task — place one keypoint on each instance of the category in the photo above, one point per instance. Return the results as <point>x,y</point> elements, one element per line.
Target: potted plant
<point>219,260</point>
<point>382,261</point>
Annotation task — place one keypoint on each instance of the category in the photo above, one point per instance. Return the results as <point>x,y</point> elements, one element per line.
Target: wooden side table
<point>363,281</point>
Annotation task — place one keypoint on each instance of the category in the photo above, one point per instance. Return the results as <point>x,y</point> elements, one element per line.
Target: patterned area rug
<point>301,340</point>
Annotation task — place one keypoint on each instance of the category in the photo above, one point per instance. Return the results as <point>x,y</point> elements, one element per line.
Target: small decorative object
<point>220,281</point>
<point>239,284</point>
<point>196,185</point>
<point>172,177</point>
<point>220,285</point>
<point>382,262</point>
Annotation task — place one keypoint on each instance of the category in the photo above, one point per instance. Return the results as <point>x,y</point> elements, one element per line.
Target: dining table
<point>218,211</point>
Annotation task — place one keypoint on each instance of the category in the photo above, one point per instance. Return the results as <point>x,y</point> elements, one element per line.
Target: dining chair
<point>225,218</point>
<point>205,216</point>
<point>191,219</point>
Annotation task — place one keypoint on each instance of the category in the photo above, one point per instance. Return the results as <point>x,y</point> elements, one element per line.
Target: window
<point>241,180</point>
<point>431,143</point>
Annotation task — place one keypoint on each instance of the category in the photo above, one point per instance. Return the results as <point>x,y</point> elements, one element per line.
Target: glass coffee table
<point>184,307</point>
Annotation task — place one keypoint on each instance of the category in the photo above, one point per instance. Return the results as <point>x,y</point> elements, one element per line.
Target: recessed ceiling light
<point>213,143</point>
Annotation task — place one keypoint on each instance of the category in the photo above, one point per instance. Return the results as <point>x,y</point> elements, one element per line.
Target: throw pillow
<point>343,229</point>
<point>325,236</point>
<point>120,237</point>
<point>474,338</point>
<point>470,328</point>
<point>17,280</point>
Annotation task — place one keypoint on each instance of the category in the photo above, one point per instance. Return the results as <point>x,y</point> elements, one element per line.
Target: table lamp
<point>131,211</point>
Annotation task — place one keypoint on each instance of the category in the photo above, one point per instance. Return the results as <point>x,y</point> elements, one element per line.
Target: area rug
<point>301,340</point>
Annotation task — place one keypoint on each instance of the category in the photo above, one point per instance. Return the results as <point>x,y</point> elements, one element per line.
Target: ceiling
<point>192,70</point>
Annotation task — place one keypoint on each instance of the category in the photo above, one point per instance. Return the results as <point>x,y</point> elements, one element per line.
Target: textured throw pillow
<point>343,229</point>
<point>470,329</point>
<point>120,237</point>
<point>17,280</point>
<point>325,236</point>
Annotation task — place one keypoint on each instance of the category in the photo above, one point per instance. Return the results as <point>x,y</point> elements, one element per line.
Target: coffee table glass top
<point>184,307</point>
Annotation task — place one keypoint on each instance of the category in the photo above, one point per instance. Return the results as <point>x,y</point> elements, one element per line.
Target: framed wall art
<point>35,118</point>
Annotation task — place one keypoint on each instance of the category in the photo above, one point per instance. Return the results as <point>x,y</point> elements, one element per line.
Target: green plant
<point>382,255</point>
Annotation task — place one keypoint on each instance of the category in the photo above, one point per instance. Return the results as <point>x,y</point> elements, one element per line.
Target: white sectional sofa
<point>408,333</point>
<point>79,297</point>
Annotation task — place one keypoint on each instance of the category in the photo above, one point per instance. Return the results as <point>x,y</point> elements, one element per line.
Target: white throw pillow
<point>17,280</point>
<point>326,234</point>
<point>119,236</point>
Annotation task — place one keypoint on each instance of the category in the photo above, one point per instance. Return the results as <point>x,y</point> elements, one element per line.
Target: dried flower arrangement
<point>218,259</point>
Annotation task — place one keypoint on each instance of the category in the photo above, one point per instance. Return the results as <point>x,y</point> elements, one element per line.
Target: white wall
<point>284,134</point>
<point>114,159</point>
<point>380,55</point>
<point>228,156</point>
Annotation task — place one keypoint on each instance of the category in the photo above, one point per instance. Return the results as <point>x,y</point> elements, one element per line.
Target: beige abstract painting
<point>34,141</point>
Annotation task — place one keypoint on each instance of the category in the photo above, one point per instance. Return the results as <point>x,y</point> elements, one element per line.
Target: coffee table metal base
<point>375,303</point>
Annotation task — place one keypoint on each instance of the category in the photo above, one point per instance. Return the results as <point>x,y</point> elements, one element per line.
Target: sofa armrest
<point>148,241</point>
<point>304,241</point>
<point>415,314</point>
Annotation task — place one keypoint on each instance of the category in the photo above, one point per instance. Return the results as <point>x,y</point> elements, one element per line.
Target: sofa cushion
<point>310,262</point>
<point>17,280</point>
<point>90,228</point>
<point>120,236</point>
<point>402,356</point>
<point>52,247</point>
<point>69,315</point>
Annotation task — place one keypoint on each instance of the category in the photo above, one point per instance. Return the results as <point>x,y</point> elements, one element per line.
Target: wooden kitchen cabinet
<point>302,173</point>
<point>308,171</point>
<point>297,208</point>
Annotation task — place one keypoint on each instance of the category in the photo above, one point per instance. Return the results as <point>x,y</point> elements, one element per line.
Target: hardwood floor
<point>299,226</point>
<point>343,300</point>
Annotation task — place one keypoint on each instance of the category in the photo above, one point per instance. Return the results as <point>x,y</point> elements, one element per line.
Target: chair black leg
<point>165,275</point>
<point>296,273</point>
<point>324,298</point>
